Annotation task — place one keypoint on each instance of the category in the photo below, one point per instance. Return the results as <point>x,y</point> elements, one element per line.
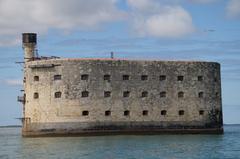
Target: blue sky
<point>137,29</point>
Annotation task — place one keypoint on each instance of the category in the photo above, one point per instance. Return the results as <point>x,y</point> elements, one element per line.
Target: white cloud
<point>233,8</point>
<point>12,82</point>
<point>42,15</point>
<point>141,4</point>
<point>151,18</point>
<point>148,17</point>
<point>202,1</point>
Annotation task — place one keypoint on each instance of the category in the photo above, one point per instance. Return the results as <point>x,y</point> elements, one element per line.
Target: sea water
<point>12,146</point>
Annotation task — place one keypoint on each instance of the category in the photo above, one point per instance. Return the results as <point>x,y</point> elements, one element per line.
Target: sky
<point>206,30</point>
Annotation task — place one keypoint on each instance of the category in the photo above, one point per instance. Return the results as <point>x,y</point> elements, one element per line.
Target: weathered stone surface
<point>50,115</point>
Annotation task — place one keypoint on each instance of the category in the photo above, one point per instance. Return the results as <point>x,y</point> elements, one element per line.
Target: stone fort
<point>118,96</point>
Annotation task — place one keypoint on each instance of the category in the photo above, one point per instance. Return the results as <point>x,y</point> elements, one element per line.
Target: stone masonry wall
<point>194,99</point>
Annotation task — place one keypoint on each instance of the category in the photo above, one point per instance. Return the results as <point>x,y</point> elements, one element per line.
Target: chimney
<point>29,42</point>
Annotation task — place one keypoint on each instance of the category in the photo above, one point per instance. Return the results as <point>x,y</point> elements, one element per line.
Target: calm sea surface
<point>12,145</point>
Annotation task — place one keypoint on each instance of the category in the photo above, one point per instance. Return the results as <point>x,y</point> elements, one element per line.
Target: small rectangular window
<point>181,112</point>
<point>200,94</point>
<point>180,94</point>
<point>180,78</point>
<point>85,94</point>
<point>125,77</point>
<point>145,113</point>
<point>58,94</point>
<point>36,78</point>
<point>84,77</point>
<point>57,77</point>
<point>200,78</point>
<point>144,77</point>
<point>162,77</point>
<point>201,112</point>
<point>106,77</point>
<point>126,94</point>
<point>85,113</point>
<point>126,113</point>
<point>35,95</point>
<point>144,94</point>
<point>107,113</point>
<point>217,112</point>
<point>163,112</point>
<point>163,94</point>
<point>107,94</point>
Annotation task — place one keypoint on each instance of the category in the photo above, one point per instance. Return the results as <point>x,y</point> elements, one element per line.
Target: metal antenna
<point>36,52</point>
<point>112,55</point>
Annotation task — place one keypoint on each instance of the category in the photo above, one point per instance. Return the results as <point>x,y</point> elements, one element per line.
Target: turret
<point>29,42</point>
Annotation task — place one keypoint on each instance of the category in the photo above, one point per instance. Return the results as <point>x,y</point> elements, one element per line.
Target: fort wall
<point>89,96</point>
